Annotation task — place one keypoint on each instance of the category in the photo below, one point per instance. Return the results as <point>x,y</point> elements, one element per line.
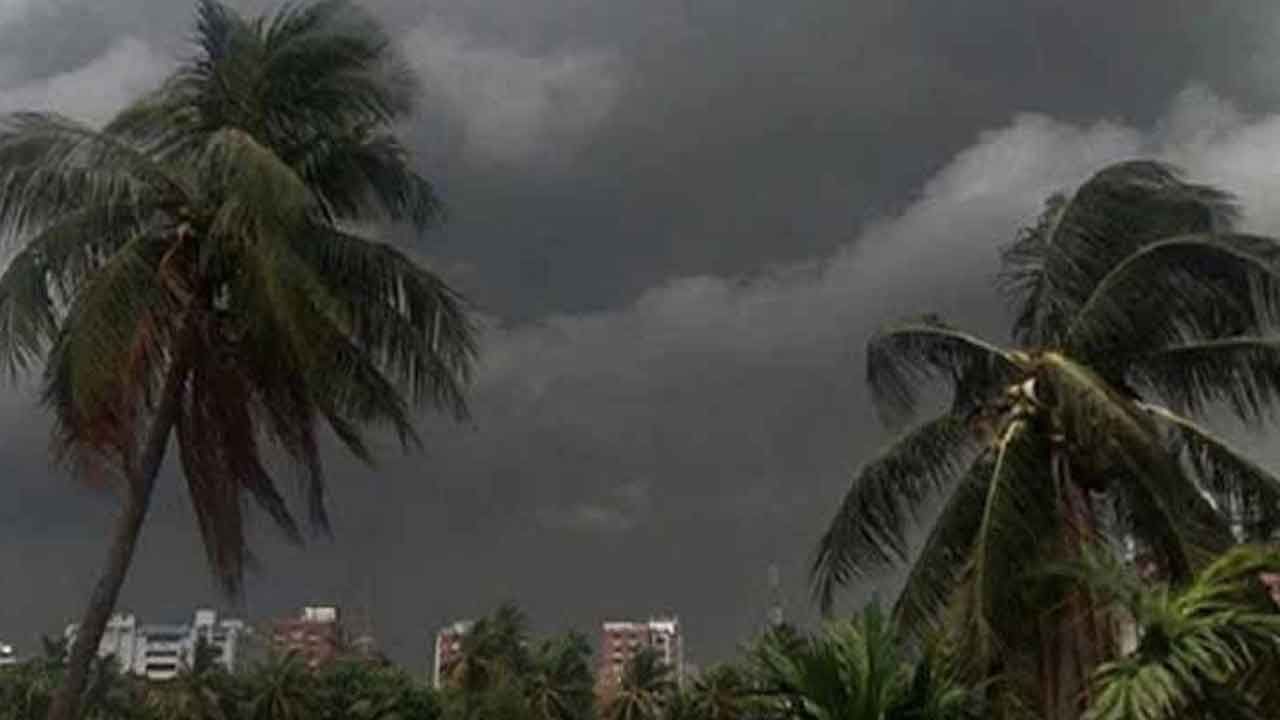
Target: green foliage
<point>857,670</point>
<point>644,691</point>
<point>1138,312</point>
<point>1206,649</point>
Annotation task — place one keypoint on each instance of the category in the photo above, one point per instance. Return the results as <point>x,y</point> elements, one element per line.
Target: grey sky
<point>682,219</point>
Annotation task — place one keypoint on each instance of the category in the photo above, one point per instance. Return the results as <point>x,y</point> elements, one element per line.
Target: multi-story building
<point>622,641</point>
<point>8,656</point>
<point>315,635</point>
<point>159,652</point>
<point>448,650</point>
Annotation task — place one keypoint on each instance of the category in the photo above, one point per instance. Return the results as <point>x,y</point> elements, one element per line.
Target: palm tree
<point>1138,310</point>
<point>560,685</point>
<point>493,651</point>
<point>721,693</point>
<point>196,269</point>
<point>857,670</point>
<point>282,689</point>
<point>643,691</point>
<point>1200,648</point>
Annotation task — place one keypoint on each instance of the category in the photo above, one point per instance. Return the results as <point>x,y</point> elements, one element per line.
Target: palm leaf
<point>903,358</point>
<point>1241,372</point>
<point>1189,286</point>
<point>940,566</point>
<point>869,529</point>
<point>1052,268</point>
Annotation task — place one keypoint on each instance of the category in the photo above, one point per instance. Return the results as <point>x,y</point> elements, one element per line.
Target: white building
<point>160,652</point>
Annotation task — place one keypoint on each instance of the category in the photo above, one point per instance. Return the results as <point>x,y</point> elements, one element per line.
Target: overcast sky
<point>682,218</point>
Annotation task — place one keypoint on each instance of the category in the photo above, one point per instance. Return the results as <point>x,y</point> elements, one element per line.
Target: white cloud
<point>515,107</point>
<point>96,90</point>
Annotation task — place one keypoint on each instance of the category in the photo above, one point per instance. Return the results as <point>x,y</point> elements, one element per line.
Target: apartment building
<point>160,652</point>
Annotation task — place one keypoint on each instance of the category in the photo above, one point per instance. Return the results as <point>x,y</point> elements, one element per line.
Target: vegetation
<point>1138,312</point>
<point>196,270</point>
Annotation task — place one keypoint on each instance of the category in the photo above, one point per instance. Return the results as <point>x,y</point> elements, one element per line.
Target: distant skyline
<point>681,221</point>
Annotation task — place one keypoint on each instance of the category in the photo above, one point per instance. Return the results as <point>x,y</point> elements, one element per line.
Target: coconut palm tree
<point>1138,310</point>
<point>282,689</point>
<point>723,692</point>
<point>495,650</point>
<point>560,684</point>
<point>643,691</point>
<point>1200,648</point>
<point>198,269</point>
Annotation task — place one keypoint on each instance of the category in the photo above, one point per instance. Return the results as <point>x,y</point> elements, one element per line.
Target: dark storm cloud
<point>683,219</point>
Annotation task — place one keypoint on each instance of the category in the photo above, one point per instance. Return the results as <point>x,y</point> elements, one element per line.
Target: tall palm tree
<point>1138,310</point>
<point>196,269</point>
<point>1200,648</point>
<point>644,689</point>
<point>857,670</point>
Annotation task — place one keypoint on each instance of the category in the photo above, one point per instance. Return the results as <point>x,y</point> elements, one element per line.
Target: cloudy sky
<point>683,218</point>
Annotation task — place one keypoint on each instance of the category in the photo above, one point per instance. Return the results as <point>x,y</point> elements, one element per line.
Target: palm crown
<point>202,250</point>
<point>1137,310</point>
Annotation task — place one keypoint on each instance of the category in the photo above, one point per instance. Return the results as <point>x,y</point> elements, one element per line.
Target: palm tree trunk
<point>141,477</point>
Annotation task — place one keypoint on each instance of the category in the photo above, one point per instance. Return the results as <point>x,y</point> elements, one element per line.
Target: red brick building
<point>316,635</point>
<point>622,641</point>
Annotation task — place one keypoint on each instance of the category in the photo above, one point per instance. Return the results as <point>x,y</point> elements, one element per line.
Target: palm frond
<point>903,358</point>
<point>1053,266</point>
<point>1014,528</point>
<point>870,527</point>
<point>109,349</point>
<point>330,66</point>
<point>1185,287</point>
<point>410,321</point>
<point>940,566</point>
<point>1245,491</point>
<point>360,175</point>
<point>50,164</point>
<point>1242,373</point>
<point>41,278</point>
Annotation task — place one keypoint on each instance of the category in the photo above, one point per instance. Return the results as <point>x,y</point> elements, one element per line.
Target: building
<point>160,652</point>
<point>315,635</point>
<point>1272,581</point>
<point>8,656</point>
<point>448,650</point>
<point>622,641</point>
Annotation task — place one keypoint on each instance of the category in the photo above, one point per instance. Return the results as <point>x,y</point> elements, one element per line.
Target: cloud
<point>515,107</point>
<point>663,454</point>
<point>95,91</point>
<point>621,509</point>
